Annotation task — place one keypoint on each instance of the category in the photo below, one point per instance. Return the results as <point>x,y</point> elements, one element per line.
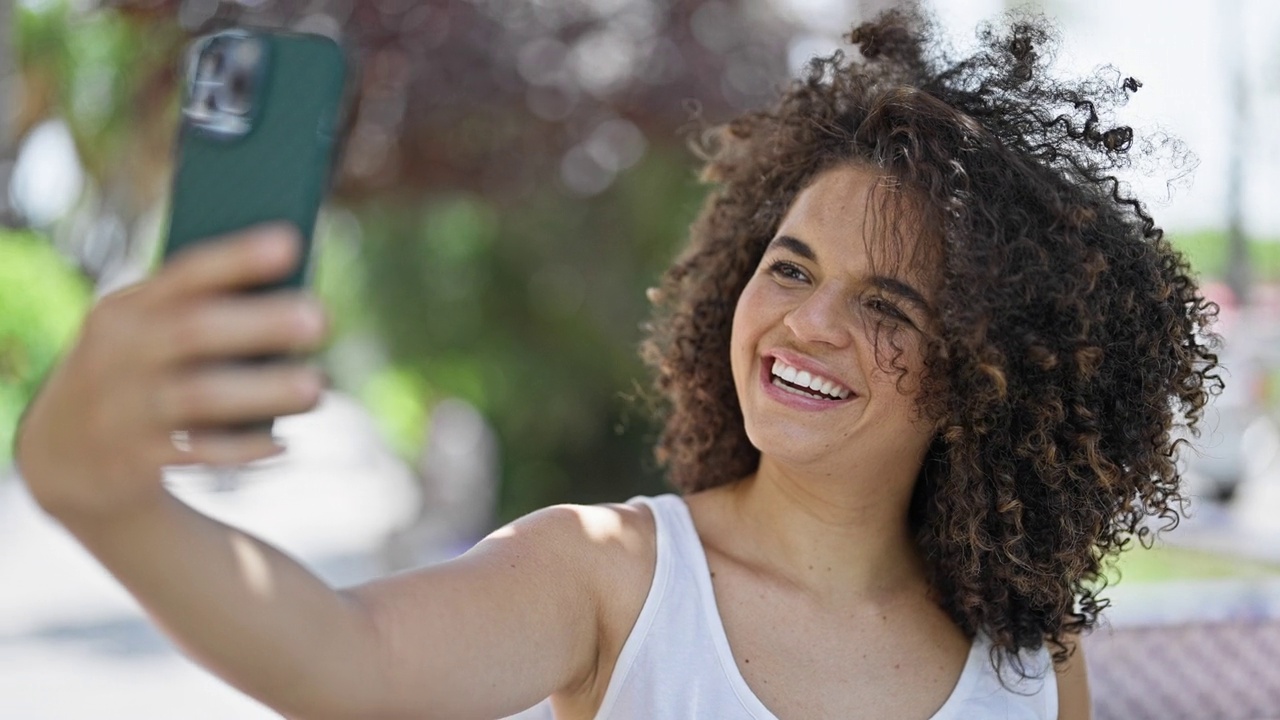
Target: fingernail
<point>280,238</point>
<point>312,313</point>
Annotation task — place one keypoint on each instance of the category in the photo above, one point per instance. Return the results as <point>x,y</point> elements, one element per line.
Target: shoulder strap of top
<point>691,573</point>
<point>671,520</point>
<point>649,612</point>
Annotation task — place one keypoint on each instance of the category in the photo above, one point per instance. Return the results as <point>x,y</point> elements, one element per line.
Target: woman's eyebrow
<point>882,282</point>
<point>798,247</point>
<point>901,289</point>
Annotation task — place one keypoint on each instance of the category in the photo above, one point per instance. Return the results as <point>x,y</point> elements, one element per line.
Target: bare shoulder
<point>626,540</point>
<point>610,538</point>
<point>613,547</point>
<point>618,545</point>
<point>1074,702</point>
<point>527,613</point>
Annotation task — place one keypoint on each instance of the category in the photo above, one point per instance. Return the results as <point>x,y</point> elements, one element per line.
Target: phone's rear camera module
<point>232,96</point>
<point>246,53</point>
<point>223,83</point>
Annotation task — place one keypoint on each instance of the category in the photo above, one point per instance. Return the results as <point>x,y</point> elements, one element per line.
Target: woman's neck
<point>836,537</point>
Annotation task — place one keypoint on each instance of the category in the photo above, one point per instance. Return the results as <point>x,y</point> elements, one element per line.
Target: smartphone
<point>257,141</point>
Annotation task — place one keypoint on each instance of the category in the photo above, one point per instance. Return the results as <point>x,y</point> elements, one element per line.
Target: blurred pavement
<point>74,644</point>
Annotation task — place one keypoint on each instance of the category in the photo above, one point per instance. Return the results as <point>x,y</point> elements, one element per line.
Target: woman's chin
<point>790,450</point>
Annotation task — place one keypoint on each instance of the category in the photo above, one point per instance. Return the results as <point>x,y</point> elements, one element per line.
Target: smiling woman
<point>920,364</point>
<point>946,240</point>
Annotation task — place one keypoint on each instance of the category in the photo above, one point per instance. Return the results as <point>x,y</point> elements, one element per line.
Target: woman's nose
<point>823,317</point>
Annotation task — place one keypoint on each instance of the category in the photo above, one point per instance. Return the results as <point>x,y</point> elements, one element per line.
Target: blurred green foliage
<point>42,302</point>
<point>95,69</point>
<point>1207,250</point>
<point>528,311</point>
<point>1164,563</point>
<point>528,304</point>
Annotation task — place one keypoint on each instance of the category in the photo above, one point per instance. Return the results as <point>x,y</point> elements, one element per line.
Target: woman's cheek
<point>740,337</point>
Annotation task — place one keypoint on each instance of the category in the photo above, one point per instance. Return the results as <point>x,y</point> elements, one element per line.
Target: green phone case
<point>279,169</point>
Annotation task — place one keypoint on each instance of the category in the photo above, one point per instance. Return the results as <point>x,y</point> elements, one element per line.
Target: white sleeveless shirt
<point>676,663</point>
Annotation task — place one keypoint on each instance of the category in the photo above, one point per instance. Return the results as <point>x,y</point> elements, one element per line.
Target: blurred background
<point>515,176</point>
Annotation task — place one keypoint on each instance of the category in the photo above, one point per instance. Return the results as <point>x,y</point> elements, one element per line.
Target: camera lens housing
<point>224,74</point>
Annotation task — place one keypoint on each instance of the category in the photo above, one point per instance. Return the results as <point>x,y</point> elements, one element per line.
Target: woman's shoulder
<point>614,543</point>
<point>613,548</point>
<point>624,538</point>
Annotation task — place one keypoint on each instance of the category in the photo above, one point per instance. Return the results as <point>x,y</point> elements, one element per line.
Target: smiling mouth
<point>804,384</point>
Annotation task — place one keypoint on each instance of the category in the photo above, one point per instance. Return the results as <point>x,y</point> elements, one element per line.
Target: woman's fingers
<point>248,259</point>
<point>233,393</point>
<point>240,326</point>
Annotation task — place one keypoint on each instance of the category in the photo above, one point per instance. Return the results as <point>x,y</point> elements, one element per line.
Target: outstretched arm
<point>486,635</point>
<point>512,621</point>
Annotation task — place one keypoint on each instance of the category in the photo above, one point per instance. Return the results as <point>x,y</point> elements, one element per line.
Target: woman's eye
<point>886,308</point>
<point>787,270</point>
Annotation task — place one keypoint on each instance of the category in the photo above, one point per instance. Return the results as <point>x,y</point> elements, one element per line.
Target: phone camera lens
<point>217,61</point>
<point>208,68</point>
<point>236,94</point>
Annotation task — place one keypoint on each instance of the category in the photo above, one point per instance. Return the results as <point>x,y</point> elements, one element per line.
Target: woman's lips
<point>792,399</point>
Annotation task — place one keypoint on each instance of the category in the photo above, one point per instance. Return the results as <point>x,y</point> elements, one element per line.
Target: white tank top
<point>676,663</point>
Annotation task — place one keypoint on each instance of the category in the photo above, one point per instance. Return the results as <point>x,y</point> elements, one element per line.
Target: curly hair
<point>1071,338</point>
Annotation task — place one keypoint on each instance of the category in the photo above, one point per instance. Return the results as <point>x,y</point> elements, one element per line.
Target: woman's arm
<point>483,636</point>
<point>514,620</point>
<point>492,632</point>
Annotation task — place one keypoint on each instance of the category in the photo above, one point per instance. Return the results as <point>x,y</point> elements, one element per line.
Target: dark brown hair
<point>1071,338</point>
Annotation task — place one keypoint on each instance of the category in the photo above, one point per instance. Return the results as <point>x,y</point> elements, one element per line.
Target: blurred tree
<point>8,139</point>
<point>41,303</point>
<point>1238,272</point>
<point>496,96</point>
<point>111,82</point>
<point>517,172</point>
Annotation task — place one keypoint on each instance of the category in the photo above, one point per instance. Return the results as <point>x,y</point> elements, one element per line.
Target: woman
<point>921,362</point>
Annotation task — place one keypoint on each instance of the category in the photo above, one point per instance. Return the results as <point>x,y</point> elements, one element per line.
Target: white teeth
<point>818,384</point>
<point>796,391</point>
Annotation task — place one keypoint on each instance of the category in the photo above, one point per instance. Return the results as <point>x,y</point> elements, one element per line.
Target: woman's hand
<point>152,359</point>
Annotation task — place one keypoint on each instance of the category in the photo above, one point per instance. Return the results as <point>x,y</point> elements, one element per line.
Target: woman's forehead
<point>857,212</point>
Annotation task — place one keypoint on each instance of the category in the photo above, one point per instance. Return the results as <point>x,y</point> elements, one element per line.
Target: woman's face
<point>816,329</point>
